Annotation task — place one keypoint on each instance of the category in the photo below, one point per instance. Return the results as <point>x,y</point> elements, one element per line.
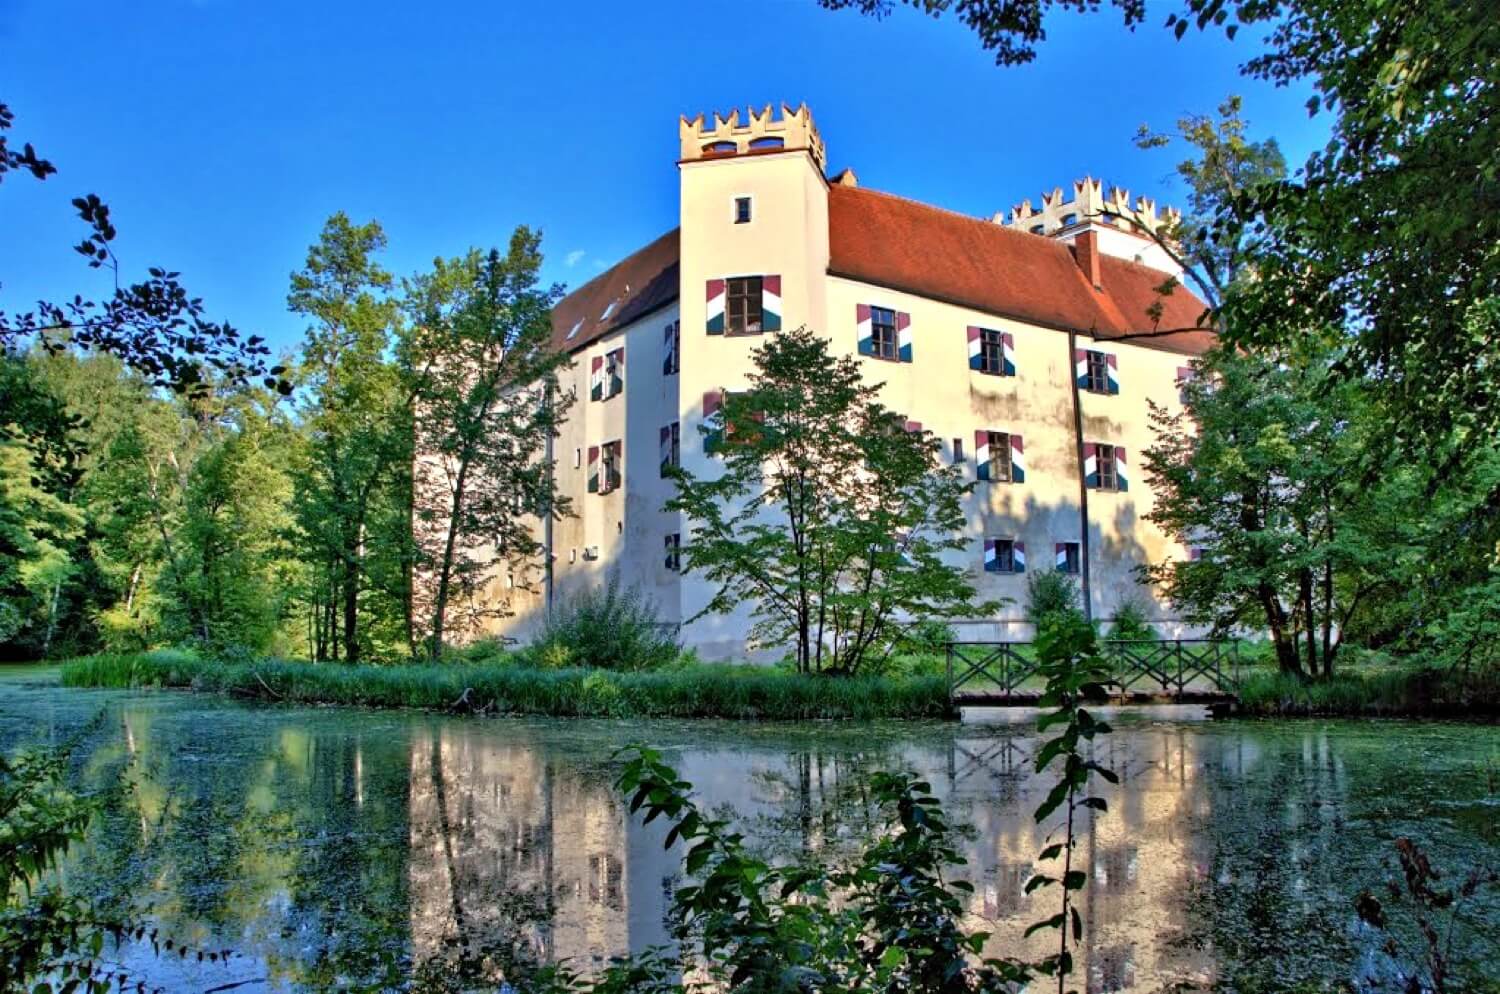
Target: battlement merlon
<point>793,129</point>
<point>1089,202</point>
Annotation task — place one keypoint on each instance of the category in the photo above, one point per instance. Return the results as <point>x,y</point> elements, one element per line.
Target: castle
<point>1029,345</point>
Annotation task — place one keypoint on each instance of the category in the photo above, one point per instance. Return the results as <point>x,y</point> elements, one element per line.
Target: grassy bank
<point>706,691</point>
<point>1384,693</point>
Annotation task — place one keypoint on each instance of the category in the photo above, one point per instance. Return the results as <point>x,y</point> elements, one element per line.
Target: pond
<point>335,848</point>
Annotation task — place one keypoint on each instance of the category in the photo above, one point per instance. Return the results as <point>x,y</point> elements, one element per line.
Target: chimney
<point>1086,253</point>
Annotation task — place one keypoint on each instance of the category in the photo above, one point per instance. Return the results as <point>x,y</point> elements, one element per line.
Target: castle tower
<point>1123,227</point>
<point>754,213</point>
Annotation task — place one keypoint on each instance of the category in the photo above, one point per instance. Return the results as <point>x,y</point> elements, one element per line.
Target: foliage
<point>1131,622</point>
<point>889,922</point>
<point>1068,659</point>
<point>1049,593</point>
<point>153,326</point>
<point>1435,912</point>
<point>613,627</point>
<point>1009,28</point>
<point>483,376</point>
<point>1401,691</point>
<point>829,519</point>
<point>351,476</point>
<point>750,693</point>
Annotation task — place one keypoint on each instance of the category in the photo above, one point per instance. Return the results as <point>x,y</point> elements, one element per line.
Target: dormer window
<point>608,310</point>
<point>574,330</point>
<point>741,210</point>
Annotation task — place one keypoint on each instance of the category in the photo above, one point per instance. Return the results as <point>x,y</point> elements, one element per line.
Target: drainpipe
<point>549,455</point>
<point>1083,486</point>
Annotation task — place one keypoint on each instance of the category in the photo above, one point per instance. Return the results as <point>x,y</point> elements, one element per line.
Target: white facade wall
<point>788,236</point>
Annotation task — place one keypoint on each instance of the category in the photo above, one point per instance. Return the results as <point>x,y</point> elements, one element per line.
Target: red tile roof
<point>879,238</point>
<point>642,282</point>
<point>930,252</point>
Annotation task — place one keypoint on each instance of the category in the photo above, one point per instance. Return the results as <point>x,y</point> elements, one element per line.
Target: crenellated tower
<point>1123,227</point>
<point>759,132</point>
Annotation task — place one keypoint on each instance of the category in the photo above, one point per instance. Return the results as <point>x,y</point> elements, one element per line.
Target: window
<point>883,332</point>
<point>999,461</point>
<point>743,307</point>
<point>1185,376</point>
<point>1003,555</point>
<point>1038,229</point>
<point>577,458</point>
<point>673,559</point>
<point>958,451</point>
<point>992,351</point>
<point>671,447</point>
<point>741,210</point>
<point>574,330</point>
<point>611,466</point>
<point>614,371</point>
<point>1109,470</point>
<point>671,362</point>
<point>1097,378</point>
<point>1069,219</point>
<point>1069,559</point>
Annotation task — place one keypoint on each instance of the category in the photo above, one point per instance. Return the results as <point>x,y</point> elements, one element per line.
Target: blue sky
<point>223,132</point>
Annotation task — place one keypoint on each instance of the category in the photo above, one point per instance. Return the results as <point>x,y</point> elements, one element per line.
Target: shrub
<point>611,627</point>
<point>1131,622</point>
<point>1049,593</point>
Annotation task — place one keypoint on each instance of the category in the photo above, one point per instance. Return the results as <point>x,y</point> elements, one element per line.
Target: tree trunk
<point>445,571</point>
<point>1305,584</point>
<point>351,597</point>
<point>1286,649</point>
<point>1327,620</point>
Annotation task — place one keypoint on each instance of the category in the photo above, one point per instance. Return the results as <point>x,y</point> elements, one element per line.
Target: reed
<point>695,691</point>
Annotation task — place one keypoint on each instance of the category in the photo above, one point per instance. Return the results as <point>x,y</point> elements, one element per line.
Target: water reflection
<point>341,850</point>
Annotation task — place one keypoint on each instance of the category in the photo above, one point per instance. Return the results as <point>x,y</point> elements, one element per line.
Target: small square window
<point>1109,473</point>
<point>958,451</point>
<point>741,210</point>
<point>577,458</point>
<point>742,313</point>
<point>1000,463</point>
<point>1069,558</point>
<point>883,332</point>
<point>1000,557</point>
<point>611,467</point>
<point>1097,380</point>
<point>992,351</point>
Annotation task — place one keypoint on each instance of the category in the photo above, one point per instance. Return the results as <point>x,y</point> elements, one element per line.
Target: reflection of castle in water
<point>508,842</point>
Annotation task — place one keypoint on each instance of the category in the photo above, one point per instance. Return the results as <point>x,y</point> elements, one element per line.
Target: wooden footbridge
<point>1155,671</point>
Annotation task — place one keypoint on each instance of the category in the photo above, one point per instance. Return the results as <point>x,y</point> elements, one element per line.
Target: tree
<point>487,403</point>
<point>1265,470</point>
<point>40,529</point>
<point>832,516</point>
<point>355,418</point>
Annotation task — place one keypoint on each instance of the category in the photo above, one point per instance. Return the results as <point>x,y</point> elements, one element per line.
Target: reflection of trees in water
<point>346,855</point>
<point>288,847</point>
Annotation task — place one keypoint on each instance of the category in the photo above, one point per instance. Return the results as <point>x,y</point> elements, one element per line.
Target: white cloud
<point>574,257</point>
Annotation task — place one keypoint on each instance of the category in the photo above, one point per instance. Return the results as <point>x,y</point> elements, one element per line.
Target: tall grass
<point>705,691</point>
<point>1393,692</point>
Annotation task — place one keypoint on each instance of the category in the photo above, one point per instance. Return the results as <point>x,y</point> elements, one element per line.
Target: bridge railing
<point>1173,667</point>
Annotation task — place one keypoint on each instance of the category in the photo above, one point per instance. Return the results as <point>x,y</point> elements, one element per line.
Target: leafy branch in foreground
<point>152,326</point>
<point>50,940</point>
<point>1068,657</point>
